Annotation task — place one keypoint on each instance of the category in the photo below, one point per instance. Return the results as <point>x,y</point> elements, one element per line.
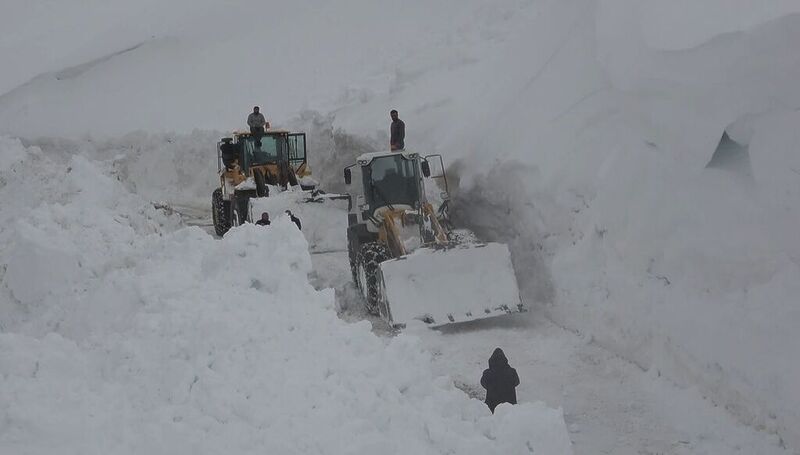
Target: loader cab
<point>392,180</point>
<point>279,155</point>
<point>389,180</point>
<point>249,165</point>
<point>266,149</point>
<point>272,147</point>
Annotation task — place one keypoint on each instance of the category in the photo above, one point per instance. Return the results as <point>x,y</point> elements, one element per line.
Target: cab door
<point>297,153</point>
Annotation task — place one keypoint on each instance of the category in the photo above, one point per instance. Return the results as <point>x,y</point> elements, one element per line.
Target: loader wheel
<point>368,277</point>
<point>262,190</point>
<point>241,209</point>
<point>352,254</point>
<point>220,213</point>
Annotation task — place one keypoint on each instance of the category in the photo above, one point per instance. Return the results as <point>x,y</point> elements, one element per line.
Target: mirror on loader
<point>426,168</point>
<point>347,176</point>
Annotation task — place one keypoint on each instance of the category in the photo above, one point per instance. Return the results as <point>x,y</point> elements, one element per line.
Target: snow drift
<point>579,132</point>
<point>125,333</point>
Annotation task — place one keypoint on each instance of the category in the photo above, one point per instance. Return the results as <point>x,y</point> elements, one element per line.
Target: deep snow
<point>578,131</point>
<point>125,333</point>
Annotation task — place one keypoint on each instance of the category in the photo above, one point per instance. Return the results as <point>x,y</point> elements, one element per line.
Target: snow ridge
<point>127,333</point>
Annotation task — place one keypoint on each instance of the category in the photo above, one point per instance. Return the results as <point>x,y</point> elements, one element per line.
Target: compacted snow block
<point>442,286</point>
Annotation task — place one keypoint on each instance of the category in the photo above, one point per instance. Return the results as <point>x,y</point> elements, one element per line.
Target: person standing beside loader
<point>398,133</point>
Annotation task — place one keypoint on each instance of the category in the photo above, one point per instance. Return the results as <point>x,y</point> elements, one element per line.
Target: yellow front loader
<point>406,257</point>
<point>249,164</point>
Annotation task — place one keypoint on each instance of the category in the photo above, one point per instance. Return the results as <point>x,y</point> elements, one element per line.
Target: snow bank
<point>124,333</point>
<point>578,131</point>
<point>324,221</point>
<point>180,66</point>
<point>589,159</point>
<point>11,152</point>
<point>681,24</point>
<point>180,169</point>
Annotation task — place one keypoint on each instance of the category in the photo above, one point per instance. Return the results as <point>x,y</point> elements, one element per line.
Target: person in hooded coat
<point>500,381</point>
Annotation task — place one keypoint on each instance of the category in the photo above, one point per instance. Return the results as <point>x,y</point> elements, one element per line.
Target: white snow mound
<point>157,339</point>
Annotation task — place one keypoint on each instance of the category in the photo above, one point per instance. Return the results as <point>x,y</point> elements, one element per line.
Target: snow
<point>137,335</point>
<point>12,152</point>
<point>590,161</point>
<point>190,57</point>
<point>578,132</point>
<point>323,220</point>
<point>681,24</point>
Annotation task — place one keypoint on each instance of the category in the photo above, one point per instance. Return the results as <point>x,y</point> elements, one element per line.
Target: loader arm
<point>439,232</point>
<point>389,233</point>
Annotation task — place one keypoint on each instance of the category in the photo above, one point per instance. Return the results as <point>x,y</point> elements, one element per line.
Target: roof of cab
<point>367,158</point>
<point>267,133</point>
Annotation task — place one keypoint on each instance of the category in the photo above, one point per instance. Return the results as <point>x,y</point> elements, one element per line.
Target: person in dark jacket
<point>500,381</point>
<point>294,219</point>
<point>264,221</point>
<point>257,122</point>
<point>398,132</point>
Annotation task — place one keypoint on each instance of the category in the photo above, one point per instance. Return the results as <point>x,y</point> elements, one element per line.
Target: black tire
<point>262,190</point>
<point>242,207</point>
<point>352,253</point>
<point>220,212</point>
<point>369,258</point>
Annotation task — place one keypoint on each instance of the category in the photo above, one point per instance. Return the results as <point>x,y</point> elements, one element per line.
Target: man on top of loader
<point>397,132</point>
<point>257,122</point>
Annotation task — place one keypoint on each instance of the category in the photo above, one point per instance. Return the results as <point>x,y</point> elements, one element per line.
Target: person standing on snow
<point>256,122</point>
<point>398,132</point>
<point>264,221</point>
<point>294,219</point>
<point>500,381</point>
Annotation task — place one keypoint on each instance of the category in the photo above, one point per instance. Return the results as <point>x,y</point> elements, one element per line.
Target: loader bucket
<point>444,286</point>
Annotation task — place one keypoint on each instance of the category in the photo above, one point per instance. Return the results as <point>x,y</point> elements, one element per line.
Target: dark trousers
<point>257,132</point>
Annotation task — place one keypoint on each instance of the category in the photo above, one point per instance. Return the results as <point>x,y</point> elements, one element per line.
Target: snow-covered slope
<point>583,132</point>
<point>124,333</point>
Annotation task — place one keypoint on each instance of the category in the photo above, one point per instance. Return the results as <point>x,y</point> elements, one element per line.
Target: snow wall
<point>123,332</point>
<point>584,133</point>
